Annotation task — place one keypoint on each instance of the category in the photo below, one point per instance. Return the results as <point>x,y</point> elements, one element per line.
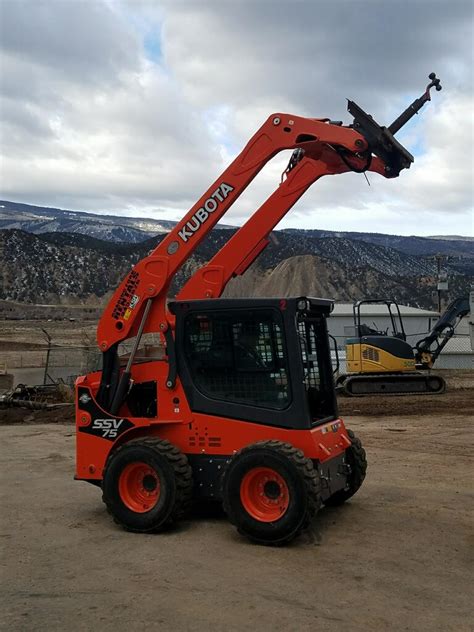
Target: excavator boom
<point>428,349</point>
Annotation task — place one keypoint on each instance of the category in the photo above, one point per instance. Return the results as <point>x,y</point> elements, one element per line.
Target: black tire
<point>170,473</point>
<point>356,459</point>
<point>301,485</point>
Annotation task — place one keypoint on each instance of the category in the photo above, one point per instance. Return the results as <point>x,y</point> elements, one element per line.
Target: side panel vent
<point>204,442</point>
<point>369,353</point>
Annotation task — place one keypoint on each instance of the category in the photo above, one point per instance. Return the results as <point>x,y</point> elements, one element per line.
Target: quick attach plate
<point>381,141</point>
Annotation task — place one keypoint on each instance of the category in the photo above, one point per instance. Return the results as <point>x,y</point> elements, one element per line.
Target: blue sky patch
<point>152,46</point>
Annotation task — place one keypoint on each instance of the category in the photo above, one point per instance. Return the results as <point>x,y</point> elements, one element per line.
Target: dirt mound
<point>458,398</point>
<point>460,401</point>
<point>9,416</point>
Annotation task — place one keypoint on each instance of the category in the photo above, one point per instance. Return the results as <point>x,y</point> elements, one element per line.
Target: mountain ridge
<point>57,256</point>
<point>61,267</point>
<point>39,219</point>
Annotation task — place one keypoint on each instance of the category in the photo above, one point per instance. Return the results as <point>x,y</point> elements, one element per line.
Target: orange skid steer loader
<point>242,407</point>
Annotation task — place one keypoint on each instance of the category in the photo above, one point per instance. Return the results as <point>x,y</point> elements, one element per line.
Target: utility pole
<point>442,279</point>
<point>471,319</point>
<point>48,338</point>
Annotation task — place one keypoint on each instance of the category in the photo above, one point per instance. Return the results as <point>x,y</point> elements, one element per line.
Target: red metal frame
<point>323,143</point>
<point>193,433</point>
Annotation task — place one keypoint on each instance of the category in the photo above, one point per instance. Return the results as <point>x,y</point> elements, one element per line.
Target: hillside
<point>40,219</point>
<point>316,276</point>
<point>36,271</point>
<point>50,255</point>
<point>62,267</point>
<point>116,229</point>
<point>427,246</point>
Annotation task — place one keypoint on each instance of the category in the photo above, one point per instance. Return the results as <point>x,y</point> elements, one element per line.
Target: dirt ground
<point>396,557</point>
<point>459,396</point>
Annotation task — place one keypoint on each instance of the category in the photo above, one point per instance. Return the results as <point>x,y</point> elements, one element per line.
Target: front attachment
<point>381,139</point>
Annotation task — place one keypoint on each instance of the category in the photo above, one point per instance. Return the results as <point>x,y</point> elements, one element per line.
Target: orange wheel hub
<point>139,487</point>
<point>264,494</point>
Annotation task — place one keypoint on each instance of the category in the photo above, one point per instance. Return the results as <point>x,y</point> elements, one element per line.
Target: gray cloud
<point>90,122</point>
<point>78,40</point>
<point>315,52</point>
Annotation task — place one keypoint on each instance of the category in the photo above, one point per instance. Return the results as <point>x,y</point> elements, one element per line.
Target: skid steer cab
<point>241,410</point>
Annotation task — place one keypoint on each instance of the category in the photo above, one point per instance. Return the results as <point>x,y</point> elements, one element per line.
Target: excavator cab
<point>375,350</point>
<point>395,330</point>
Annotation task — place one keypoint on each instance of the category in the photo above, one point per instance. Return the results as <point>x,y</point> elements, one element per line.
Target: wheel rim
<point>139,487</point>
<point>264,494</point>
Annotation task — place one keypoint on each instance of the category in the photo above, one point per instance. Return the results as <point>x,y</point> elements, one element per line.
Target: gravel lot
<point>396,557</point>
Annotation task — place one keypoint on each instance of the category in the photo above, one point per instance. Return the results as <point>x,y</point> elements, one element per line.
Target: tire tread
<point>181,469</point>
<point>308,473</point>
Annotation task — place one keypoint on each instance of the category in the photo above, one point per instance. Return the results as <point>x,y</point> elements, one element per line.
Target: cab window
<point>239,357</point>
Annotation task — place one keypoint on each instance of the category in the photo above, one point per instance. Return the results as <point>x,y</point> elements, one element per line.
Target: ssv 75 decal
<point>107,428</point>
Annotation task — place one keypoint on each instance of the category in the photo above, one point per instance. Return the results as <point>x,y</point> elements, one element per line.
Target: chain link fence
<point>59,364</point>
<point>65,364</point>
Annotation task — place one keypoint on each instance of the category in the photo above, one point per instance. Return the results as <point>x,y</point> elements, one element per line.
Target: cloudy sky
<point>135,107</point>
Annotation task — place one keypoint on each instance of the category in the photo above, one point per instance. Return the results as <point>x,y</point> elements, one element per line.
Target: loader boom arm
<point>321,147</point>
<point>151,277</point>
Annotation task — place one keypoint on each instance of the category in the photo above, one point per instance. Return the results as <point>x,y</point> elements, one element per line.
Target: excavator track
<point>391,384</point>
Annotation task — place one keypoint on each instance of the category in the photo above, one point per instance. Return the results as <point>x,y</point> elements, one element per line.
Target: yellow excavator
<point>382,362</point>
